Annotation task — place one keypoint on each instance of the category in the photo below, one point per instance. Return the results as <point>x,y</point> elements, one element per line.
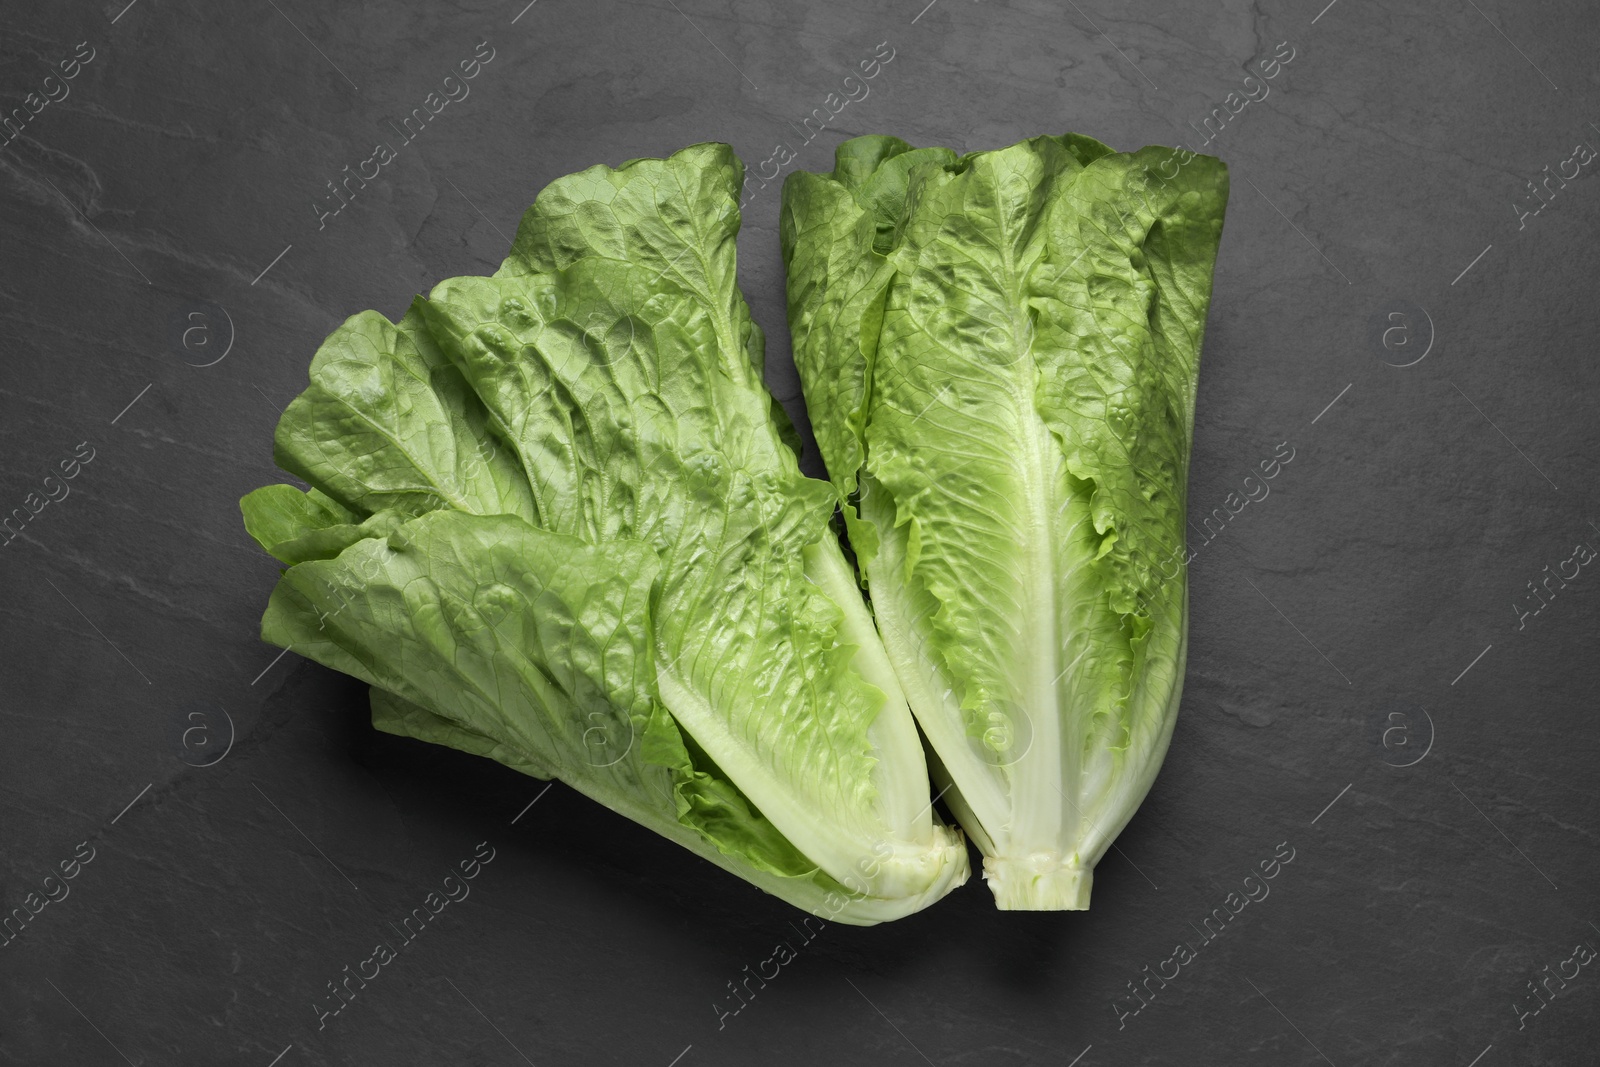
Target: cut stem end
<point>1037,885</point>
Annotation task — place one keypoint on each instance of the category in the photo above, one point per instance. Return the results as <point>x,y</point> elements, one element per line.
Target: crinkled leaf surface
<point>554,522</point>
<point>1000,354</point>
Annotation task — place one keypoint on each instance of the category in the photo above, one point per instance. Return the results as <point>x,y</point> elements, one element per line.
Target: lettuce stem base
<point>1037,883</point>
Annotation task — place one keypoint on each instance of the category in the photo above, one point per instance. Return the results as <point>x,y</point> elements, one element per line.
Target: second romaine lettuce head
<point>554,520</point>
<point>1000,354</point>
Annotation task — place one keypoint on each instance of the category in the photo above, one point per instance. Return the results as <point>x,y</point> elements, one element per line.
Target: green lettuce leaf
<point>1000,353</point>
<point>554,522</point>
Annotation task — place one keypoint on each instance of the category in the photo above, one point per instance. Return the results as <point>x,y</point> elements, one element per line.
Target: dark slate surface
<point>165,282</point>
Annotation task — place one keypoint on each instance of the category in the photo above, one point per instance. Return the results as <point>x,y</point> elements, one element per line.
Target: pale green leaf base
<point>1037,885</point>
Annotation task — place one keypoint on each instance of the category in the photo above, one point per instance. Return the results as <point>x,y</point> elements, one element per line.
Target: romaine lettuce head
<point>999,353</point>
<point>554,520</point>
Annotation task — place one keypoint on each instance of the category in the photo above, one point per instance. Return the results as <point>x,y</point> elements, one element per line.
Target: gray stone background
<point>1363,684</point>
